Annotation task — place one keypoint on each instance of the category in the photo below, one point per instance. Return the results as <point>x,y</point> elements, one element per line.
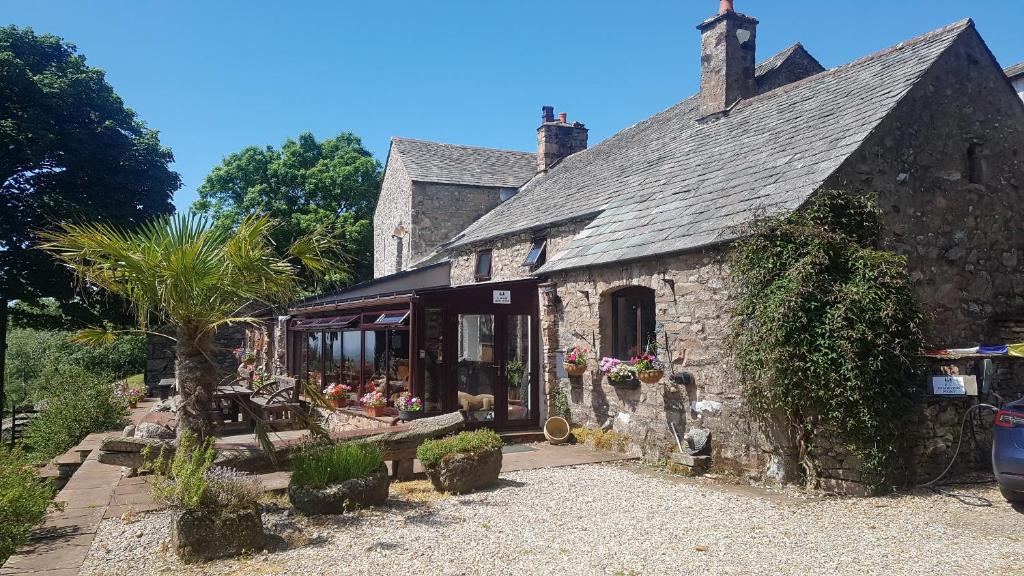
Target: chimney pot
<point>725,6</point>
<point>547,113</point>
<point>563,117</point>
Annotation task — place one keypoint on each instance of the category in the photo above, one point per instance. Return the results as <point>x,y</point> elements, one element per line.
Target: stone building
<point>625,241</point>
<point>1016,75</point>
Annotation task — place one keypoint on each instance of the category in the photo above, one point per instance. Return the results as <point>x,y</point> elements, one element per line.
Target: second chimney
<point>727,59</point>
<point>557,138</point>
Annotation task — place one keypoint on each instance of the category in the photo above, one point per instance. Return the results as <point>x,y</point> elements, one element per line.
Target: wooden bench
<point>275,403</point>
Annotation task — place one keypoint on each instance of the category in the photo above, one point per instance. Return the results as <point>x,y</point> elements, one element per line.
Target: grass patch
<point>431,452</point>
<point>419,491</point>
<point>137,381</point>
<point>322,466</point>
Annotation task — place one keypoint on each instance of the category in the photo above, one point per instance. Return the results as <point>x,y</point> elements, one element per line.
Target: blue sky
<point>214,77</point>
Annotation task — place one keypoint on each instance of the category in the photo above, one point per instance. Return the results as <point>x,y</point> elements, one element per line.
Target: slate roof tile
<point>1015,70</point>
<point>693,182</point>
<point>467,165</point>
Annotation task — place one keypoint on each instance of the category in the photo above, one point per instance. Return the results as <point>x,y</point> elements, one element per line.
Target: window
<point>392,318</point>
<point>535,257</point>
<point>632,321</point>
<point>483,265</point>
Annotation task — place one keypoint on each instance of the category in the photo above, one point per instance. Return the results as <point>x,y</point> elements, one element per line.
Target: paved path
<point>95,491</point>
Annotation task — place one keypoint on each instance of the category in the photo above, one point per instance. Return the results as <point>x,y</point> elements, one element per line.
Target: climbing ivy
<point>826,331</point>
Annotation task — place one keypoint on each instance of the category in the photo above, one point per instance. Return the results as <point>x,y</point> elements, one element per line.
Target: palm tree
<point>182,272</point>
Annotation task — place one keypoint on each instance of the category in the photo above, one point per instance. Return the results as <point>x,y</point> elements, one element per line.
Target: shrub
<point>324,465</point>
<point>826,329</point>
<point>24,498</point>
<point>230,490</point>
<point>182,481</point>
<point>432,452</point>
<point>77,404</point>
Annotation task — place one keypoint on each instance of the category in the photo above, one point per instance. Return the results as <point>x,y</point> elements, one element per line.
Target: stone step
<point>522,436</point>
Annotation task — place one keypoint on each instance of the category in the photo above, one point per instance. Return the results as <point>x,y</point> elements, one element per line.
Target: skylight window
<point>392,318</point>
<point>535,257</point>
<point>483,265</point>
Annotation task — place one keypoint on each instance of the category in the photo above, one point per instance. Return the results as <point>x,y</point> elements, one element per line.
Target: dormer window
<point>536,256</point>
<point>483,266</point>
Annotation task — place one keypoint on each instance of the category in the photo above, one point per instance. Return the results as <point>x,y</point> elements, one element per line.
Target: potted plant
<point>576,361</point>
<point>338,394</point>
<point>334,478</point>
<point>514,370</point>
<point>648,368</point>
<point>133,396</point>
<point>620,374</point>
<point>462,463</point>
<point>409,407</point>
<point>374,403</point>
<point>215,511</point>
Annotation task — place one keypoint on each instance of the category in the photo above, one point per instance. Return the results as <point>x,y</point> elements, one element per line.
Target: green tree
<point>72,150</point>
<point>329,186</point>
<point>827,331</point>
<point>185,273</point>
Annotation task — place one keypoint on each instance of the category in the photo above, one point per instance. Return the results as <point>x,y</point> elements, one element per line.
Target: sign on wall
<point>954,385</point>
<point>502,296</point>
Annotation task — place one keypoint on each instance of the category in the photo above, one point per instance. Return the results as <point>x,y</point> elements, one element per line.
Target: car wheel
<point>1011,496</point>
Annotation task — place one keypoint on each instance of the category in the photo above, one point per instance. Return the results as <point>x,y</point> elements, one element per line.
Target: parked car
<point>1008,451</point>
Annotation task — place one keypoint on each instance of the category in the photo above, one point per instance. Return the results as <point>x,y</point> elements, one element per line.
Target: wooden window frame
<point>647,297</point>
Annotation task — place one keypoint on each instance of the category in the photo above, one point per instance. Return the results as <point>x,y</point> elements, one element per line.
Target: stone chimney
<point>557,138</point>
<point>727,59</point>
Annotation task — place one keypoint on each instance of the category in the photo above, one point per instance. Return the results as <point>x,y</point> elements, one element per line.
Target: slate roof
<point>1015,70</point>
<point>468,165</point>
<point>671,183</point>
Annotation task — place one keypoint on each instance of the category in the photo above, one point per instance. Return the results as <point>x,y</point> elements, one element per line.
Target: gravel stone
<point>609,520</point>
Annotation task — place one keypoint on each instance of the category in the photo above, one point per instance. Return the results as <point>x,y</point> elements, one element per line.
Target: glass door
<point>477,370</point>
<point>517,368</point>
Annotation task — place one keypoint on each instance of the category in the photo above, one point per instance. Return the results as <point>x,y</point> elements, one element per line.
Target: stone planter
<point>356,493</point>
<point>575,370</point>
<point>462,473</point>
<point>651,376</point>
<point>207,535</point>
<point>407,415</point>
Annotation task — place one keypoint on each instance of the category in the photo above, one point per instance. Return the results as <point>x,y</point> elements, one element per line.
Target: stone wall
<point>394,209</point>
<point>440,211</point>
<point>692,307</point>
<point>509,253</point>
<point>962,239</point>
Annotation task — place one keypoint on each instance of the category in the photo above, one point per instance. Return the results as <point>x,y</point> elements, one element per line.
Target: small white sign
<point>502,296</point>
<point>954,385</point>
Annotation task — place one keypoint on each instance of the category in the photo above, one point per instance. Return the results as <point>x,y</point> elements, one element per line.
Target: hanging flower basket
<point>624,383</point>
<point>650,376</point>
<point>575,370</point>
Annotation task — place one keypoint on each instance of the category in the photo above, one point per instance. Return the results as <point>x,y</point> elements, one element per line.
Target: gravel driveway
<point>605,519</point>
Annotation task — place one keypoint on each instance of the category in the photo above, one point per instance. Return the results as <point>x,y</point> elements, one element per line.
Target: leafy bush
<point>322,466</point>
<point>181,481</point>
<point>32,355</point>
<point>77,404</point>
<point>432,452</point>
<point>826,329</point>
<point>24,498</point>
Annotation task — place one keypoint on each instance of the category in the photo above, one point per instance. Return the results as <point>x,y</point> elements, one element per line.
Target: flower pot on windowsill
<point>650,376</point>
<point>407,415</point>
<point>376,411</point>
<point>339,402</point>
<point>575,370</point>
<point>624,383</point>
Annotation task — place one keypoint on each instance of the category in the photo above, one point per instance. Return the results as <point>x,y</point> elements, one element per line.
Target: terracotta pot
<point>133,404</point>
<point>339,402</point>
<point>651,376</point>
<point>375,411</point>
<point>575,369</point>
<point>556,430</point>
